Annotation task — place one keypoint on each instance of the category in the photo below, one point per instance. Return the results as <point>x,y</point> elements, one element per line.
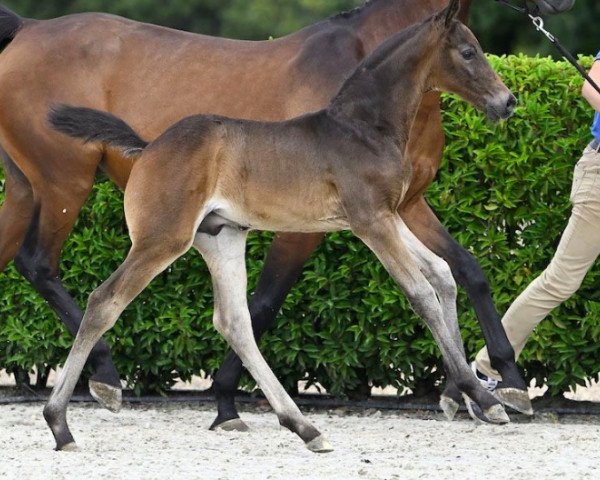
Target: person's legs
<point>578,249</point>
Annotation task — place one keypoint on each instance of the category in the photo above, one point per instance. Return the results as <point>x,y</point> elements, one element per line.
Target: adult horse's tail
<point>94,126</point>
<point>10,24</point>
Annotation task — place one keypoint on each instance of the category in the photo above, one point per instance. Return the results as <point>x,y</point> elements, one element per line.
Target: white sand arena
<point>172,442</point>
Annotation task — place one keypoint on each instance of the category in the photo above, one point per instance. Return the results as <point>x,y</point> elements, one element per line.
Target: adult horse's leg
<point>384,237</point>
<point>38,261</point>
<point>57,199</point>
<point>468,273</point>
<point>283,265</point>
<point>16,211</point>
<point>20,229</point>
<point>225,257</point>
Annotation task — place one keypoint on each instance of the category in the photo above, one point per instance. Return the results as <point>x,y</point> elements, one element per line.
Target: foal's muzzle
<point>501,107</point>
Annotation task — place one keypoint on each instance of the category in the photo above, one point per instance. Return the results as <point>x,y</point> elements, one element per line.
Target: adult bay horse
<point>209,179</point>
<point>152,76</point>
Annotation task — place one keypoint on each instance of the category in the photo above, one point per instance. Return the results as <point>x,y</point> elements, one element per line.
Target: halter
<point>538,23</point>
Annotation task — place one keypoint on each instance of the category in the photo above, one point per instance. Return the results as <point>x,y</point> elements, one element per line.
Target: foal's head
<point>459,66</point>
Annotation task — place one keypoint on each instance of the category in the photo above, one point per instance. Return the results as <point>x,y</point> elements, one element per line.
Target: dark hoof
<point>449,406</point>
<point>234,425</point>
<point>516,399</point>
<point>319,445</point>
<point>495,414</point>
<point>106,395</point>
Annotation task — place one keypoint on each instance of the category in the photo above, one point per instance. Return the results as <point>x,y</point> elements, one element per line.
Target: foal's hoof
<point>449,406</point>
<point>234,425</point>
<point>497,415</point>
<point>516,399</point>
<point>319,445</point>
<point>69,447</point>
<point>108,396</point>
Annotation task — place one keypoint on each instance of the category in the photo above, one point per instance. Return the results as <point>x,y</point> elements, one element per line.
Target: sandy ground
<point>173,442</point>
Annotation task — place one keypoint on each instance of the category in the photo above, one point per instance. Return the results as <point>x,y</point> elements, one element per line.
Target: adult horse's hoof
<point>449,406</point>
<point>108,396</point>
<point>319,445</point>
<point>69,447</point>
<point>516,399</point>
<point>234,425</point>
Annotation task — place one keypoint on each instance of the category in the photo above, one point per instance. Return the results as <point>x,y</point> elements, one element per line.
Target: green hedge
<point>502,192</point>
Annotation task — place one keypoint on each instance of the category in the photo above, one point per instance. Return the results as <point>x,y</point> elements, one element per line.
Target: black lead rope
<point>538,23</point>
<point>524,9</point>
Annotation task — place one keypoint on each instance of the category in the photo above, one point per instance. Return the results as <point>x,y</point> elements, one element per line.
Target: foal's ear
<point>449,13</point>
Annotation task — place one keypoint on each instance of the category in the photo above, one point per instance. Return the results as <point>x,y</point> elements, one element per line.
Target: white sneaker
<point>486,382</point>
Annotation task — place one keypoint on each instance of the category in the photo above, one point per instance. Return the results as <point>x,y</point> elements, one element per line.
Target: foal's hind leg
<point>225,257</point>
<point>104,307</point>
<point>283,265</point>
<point>384,238</point>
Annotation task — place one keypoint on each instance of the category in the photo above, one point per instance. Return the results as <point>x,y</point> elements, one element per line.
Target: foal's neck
<point>386,90</point>
<point>377,20</point>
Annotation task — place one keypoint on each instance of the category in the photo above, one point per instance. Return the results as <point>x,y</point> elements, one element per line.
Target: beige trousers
<point>578,249</point>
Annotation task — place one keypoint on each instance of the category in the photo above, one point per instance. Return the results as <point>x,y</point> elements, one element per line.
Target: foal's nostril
<point>512,102</point>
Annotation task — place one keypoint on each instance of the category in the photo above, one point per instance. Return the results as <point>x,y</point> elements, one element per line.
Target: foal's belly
<point>285,217</point>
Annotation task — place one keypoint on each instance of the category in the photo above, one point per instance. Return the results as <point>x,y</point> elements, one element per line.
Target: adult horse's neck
<point>385,92</point>
<point>378,20</point>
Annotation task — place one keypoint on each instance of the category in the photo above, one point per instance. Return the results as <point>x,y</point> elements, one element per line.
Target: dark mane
<point>377,57</point>
<point>354,12</point>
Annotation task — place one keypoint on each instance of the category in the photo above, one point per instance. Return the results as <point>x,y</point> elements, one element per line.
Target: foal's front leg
<point>225,256</point>
<point>467,272</point>
<point>384,237</point>
<point>439,275</point>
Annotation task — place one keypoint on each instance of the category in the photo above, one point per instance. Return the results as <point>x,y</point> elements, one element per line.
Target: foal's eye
<point>468,54</point>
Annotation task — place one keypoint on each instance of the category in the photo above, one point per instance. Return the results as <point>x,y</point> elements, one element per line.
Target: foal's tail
<point>10,24</point>
<point>94,126</point>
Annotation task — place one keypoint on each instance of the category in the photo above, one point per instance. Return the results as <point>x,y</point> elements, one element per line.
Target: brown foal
<point>209,179</point>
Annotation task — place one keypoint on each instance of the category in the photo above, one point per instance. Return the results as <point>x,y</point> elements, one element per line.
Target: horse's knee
<point>35,270</point>
<point>445,283</point>
<point>423,300</point>
<point>470,275</point>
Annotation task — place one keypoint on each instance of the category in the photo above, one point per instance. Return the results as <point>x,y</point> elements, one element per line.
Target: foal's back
<point>278,176</point>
